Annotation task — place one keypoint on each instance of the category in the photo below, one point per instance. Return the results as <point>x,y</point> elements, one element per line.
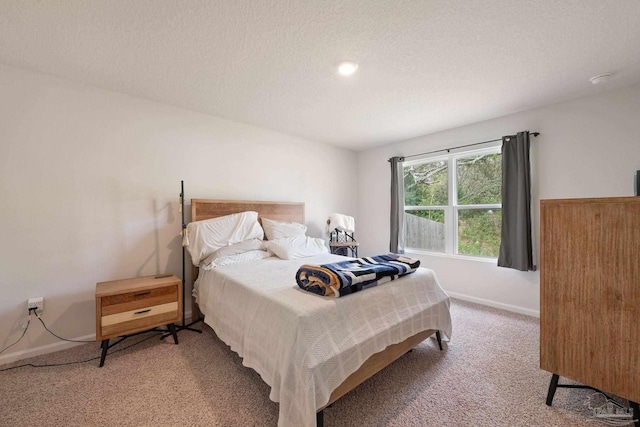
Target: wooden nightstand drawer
<point>132,301</point>
<point>126,321</point>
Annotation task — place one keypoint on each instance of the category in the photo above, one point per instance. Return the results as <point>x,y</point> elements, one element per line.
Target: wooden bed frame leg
<point>320,419</point>
<point>439,338</point>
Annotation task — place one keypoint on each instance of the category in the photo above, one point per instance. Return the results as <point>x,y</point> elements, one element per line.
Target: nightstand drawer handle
<point>139,294</point>
<point>143,311</point>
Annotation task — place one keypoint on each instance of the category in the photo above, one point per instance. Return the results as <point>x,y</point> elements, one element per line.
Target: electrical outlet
<point>37,303</point>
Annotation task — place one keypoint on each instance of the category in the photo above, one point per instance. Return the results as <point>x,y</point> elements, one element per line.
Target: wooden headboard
<point>280,211</point>
<point>202,209</point>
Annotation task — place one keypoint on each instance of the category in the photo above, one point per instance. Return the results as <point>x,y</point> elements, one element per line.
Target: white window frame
<point>451,210</point>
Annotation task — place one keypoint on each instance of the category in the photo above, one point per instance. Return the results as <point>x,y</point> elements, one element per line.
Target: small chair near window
<point>343,243</point>
<point>341,230</point>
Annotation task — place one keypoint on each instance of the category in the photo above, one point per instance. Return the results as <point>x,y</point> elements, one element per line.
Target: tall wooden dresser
<point>590,293</point>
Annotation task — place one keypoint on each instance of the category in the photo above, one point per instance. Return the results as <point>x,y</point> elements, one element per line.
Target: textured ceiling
<point>425,65</point>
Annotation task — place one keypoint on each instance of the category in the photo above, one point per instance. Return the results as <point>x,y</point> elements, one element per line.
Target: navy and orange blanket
<point>346,277</point>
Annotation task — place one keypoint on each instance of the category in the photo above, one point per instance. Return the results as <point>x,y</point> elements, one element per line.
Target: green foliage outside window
<point>426,184</point>
<point>479,179</point>
<point>479,232</point>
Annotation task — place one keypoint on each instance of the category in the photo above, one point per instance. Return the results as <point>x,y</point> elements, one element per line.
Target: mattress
<point>304,345</point>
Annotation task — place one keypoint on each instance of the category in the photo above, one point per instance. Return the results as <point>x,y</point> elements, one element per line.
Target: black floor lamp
<point>184,244</point>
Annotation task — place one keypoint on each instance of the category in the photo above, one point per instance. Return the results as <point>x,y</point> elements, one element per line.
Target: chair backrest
<point>341,236</point>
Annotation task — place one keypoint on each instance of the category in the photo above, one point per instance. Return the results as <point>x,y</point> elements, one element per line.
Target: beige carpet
<point>487,375</point>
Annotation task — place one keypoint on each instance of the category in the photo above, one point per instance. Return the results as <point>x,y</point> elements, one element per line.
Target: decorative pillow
<point>234,249</point>
<point>206,237</point>
<point>296,247</point>
<point>280,229</point>
<point>237,258</point>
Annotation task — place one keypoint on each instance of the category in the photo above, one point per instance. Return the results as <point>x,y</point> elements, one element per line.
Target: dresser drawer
<point>126,321</point>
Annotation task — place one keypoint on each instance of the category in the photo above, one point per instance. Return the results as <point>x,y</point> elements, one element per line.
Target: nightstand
<point>129,306</point>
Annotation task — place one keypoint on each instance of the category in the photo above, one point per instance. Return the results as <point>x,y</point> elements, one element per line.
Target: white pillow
<point>296,247</point>
<point>234,249</point>
<point>237,258</point>
<point>279,229</point>
<point>205,237</point>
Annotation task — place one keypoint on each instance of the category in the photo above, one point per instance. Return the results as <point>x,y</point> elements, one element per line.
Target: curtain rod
<point>460,146</point>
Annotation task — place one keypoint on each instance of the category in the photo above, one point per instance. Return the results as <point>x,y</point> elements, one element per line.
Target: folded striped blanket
<point>346,277</point>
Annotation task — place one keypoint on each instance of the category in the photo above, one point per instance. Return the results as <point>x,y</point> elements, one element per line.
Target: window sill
<point>453,256</point>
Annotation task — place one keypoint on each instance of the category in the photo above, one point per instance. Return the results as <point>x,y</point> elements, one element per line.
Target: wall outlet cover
<point>37,303</point>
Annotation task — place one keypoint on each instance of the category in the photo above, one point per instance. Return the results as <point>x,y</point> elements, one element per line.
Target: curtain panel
<point>396,244</point>
<point>516,247</point>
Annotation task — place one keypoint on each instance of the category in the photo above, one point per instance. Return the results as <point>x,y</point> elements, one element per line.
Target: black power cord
<point>45,326</point>
<point>21,336</point>
<point>48,330</point>
<point>80,361</point>
<point>64,339</point>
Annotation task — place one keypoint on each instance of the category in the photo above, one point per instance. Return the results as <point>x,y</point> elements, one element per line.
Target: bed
<point>311,350</point>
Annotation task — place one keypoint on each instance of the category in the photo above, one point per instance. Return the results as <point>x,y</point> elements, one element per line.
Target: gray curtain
<point>396,245</point>
<point>516,247</point>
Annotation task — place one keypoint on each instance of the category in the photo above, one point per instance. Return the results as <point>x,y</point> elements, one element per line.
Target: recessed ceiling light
<point>600,78</point>
<point>347,68</point>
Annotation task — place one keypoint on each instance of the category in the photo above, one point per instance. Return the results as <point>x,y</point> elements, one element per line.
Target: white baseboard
<point>508,307</point>
<point>56,346</point>
<point>44,349</point>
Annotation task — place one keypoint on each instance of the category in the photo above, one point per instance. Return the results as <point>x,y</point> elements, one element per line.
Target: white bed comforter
<point>304,345</point>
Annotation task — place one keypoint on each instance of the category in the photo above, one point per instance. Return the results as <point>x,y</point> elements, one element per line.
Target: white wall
<point>587,148</point>
<point>89,185</point>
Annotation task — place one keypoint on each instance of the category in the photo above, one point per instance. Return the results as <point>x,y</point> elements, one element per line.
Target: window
<point>453,203</point>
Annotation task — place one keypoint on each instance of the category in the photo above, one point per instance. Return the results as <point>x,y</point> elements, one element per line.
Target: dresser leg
<point>105,347</point>
<point>552,388</point>
<point>320,419</point>
<point>172,328</point>
<point>636,412</point>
